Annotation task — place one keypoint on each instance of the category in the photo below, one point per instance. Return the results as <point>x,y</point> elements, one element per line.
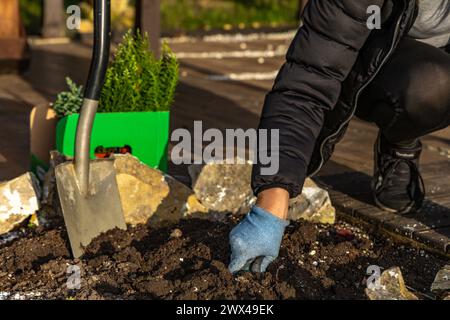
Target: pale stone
<point>150,196</point>
<point>391,287</point>
<point>223,187</point>
<point>176,233</point>
<point>314,205</point>
<point>442,281</point>
<point>173,207</point>
<point>141,188</point>
<point>139,200</point>
<point>19,199</point>
<point>195,206</point>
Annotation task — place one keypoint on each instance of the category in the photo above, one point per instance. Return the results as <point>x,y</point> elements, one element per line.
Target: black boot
<point>397,184</point>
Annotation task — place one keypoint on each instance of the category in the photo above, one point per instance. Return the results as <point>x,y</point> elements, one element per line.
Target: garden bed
<point>316,262</point>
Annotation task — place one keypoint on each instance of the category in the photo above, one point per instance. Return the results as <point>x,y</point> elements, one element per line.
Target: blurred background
<point>178,16</point>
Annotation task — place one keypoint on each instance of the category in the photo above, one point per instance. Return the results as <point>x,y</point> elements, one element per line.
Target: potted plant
<point>134,110</point>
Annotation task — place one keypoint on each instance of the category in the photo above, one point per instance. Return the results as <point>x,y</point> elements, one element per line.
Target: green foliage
<point>191,15</point>
<point>266,4</point>
<point>194,14</point>
<point>31,12</point>
<point>69,102</point>
<point>136,80</point>
<point>31,225</point>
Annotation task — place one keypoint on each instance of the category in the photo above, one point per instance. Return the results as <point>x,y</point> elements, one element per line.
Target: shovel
<point>88,189</point>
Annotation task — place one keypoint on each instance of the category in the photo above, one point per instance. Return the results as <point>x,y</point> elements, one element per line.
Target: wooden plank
<point>362,209</point>
<point>371,215</point>
<point>433,215</point>
<point>9,19</point>
<point>404,225</point>
<point>436,168</point>
<point>14,54</point>
<point>437,239</point>
<point>13,49</point>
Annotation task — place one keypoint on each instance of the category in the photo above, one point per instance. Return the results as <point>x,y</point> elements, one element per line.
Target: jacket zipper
<point>355,102</point>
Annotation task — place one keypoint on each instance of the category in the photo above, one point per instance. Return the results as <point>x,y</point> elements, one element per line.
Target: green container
<point>144,134</point>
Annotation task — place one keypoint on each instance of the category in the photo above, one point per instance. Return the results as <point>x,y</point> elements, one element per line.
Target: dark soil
<point>316,262</point>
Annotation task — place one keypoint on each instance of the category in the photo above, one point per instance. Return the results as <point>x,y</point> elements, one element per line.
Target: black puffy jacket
<point>332,59</point>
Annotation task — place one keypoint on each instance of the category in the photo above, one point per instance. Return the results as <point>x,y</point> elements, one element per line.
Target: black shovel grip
<point>100,54</point>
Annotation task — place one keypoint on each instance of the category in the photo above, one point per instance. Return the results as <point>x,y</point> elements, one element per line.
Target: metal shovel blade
<point>87,216</point>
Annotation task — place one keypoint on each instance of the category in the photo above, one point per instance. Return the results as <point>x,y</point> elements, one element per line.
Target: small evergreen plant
<point>69,102</point>
<point>136,80</point>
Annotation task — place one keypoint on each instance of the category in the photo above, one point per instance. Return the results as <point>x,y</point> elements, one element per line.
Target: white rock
<point>391,287</point>
<point>223,187</point>
<point>314,205</point>
<point>141,188</point>
<point>226,188</point>
<point>151,196</point>
<point>442,281</point>
<point>19,199</point>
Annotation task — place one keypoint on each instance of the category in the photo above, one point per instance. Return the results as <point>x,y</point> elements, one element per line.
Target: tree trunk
<point>9,19</point>
<point>148,19</point>
<point>14,54</point>
<point>54,20</point>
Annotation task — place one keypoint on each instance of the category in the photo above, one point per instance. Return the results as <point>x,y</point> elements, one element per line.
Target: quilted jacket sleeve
<point>319,59</point>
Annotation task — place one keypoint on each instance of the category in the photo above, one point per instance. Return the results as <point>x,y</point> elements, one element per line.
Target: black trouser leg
<point>410,97</point>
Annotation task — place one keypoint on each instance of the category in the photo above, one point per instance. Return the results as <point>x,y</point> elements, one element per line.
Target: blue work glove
<point>256,241</point>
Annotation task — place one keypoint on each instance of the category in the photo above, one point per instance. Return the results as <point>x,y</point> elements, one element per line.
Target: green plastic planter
<point>143,134</point>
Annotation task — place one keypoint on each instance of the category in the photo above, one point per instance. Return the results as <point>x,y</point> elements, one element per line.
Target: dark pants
<point>410,97</point>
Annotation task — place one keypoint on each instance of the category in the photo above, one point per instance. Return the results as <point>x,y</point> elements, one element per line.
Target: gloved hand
<point>255,242</point>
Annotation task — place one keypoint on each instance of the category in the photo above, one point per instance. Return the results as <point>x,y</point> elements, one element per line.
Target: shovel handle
<point>96,78</point>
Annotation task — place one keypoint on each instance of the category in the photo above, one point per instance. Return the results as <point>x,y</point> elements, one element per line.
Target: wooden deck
<point>237,104</point>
